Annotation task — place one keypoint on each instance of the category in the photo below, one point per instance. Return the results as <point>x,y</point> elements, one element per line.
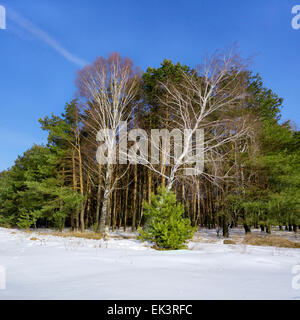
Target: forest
<point>251,175</point>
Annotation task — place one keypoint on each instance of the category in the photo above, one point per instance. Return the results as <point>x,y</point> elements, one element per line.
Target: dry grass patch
<point>127,236</point>
<point>272,241</point>
<point>228,242</point>
<point>34,239</point>
<point>84,235</point>
<point>204,240</point>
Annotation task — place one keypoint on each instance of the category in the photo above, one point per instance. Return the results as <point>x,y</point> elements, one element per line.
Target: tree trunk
<point>75,189</point>
<point>103,218</point>
<point>106,198</point>
<point>149,184</point>
<point>134,199</point>
<point>126,202</point>
<point>194,208</point>
<point>98,206</point>
<point>82,226</point>
<point>247,228</point>
<point>88,209</point>
<point>114,215</point>
<point>225,227</point>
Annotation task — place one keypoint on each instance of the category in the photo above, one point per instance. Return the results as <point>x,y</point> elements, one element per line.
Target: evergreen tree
<point>165,225</point>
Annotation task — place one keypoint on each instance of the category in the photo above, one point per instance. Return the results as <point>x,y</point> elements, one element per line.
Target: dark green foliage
<point>153,78</point>
<point>263,101</point>
<point>152,111</point>
<point>272,196</point>
<point>165,225</point>
<point>33,191</point>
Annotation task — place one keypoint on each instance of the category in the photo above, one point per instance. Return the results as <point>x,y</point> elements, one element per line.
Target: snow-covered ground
<point>72,268</point>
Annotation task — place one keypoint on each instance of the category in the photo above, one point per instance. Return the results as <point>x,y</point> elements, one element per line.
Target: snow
<point>72,268</point>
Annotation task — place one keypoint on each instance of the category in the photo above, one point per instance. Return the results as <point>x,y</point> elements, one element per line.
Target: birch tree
<point>109,88</point>
<point>195,105</point>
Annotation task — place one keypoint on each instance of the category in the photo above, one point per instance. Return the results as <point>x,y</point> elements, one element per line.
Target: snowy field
<point>52,267</point>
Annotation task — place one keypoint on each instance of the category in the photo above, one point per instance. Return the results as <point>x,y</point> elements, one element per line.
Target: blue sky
<point>46,41</point>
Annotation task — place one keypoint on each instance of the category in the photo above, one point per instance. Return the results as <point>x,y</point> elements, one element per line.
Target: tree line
<point>251,173</point>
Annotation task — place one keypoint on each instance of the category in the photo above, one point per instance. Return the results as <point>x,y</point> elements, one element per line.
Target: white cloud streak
<point>43,36</point>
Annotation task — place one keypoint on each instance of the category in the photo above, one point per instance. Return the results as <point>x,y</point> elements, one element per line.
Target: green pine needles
<point>165,225</point>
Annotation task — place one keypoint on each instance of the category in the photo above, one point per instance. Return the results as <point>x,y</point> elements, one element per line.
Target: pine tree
<point>165,225</point>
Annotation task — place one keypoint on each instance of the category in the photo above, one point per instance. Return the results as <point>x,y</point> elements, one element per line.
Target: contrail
<point>42,35</point>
